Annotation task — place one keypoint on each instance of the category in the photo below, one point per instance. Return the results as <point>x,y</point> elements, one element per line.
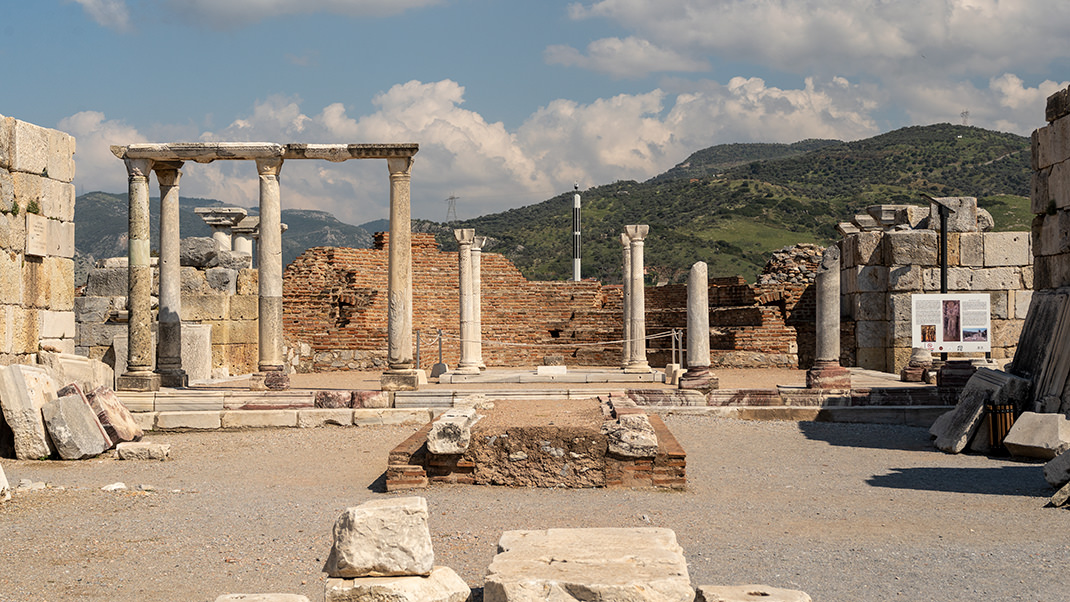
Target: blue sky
<point>511,102</point>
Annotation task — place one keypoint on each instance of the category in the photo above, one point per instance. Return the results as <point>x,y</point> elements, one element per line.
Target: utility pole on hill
<point>451,209</point>
<point>576,232</point>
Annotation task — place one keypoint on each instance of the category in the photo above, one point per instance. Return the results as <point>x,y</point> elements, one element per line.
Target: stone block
<point>871,306</point>
<point>452,432</point>
<point>1006,249</point>
<point>631,436</point>
<point>442,585</point>
<point>197,351</point>
<point>748,593</point>
<point>242,332</point>
<point>13,232</point>
<point>116,419</point>
<point>24,390</point>
<point>259,418</point>
<point>1057,470</point>
<point>371,417</point>
<point>107,282</point>
<point>1058,188</point>
<point>1040,199</point>
<point>638,564</point>
<point>182,401</point>
<point>912,247</point>
<point>331,399</point>
<point>984,387</point>
<point>57,200</point>
<point>26,145</point>
<point>1057,106</point>
<point>244,307</point>
<point>1006,333</point>
<point>230,260</point>
<point>382,538</point>
<point>1051,233</point>
<point>196,251</point>
<point>74,428</point>
<point>248,282</point>
<point>1052,271</point>
<point>871,279</point>
<point>1042,436</point>
<point>99,335</point>
<point>204,307</point>
<point>60,239</point>
<point>999,304</point>
<point>1022,298</point>
<point>223,280</point>
<point>872,333</point>
<point>57,345</point>
<point>188,420</point>
<point>324,416</point>
<point>92,310</point>
<point>5,487</point>
<point>905,278</point>
<point>992,279</point>
<point>900,307</point>
<point>868,249</point>
<point>60,274</point>
<point>69,368</point>
<point>56,324</point>
<point>7,192</point>
<point>872,358</point>
<point>146,421</point>
<point>192,281</point>
<point>10,278</point>
<point>371,399</point>
<point>61,147</point>
<point>22,329</point>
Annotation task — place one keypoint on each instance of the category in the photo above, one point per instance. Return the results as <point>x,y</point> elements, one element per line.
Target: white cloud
<point>222,14</point>
<point>96,167</point>
<point>112,14</point>
<point>630,57</point>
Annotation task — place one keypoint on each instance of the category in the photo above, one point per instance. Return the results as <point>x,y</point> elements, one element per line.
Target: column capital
<point>636,233</point>
<point>465,236</point>
<point>138,168</point>
<point>400,166</point>
<point>269,166</point>
<point>168,173</point>
<point>478,242</point>
<point>624,240</point>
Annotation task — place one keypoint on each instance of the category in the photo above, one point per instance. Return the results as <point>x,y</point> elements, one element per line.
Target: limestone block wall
<point>882,268</point>
<point>335,314</point>
<point>223,298</point>
<point>36,240</point>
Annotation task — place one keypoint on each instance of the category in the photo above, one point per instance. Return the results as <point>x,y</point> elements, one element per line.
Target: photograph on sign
<point>947,323</point>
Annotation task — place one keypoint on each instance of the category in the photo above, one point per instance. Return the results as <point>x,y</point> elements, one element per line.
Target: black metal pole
<point>944,212</point>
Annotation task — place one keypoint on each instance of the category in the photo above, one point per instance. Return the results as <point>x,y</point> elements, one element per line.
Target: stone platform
<point>554,374</point>
<point>539,443</point>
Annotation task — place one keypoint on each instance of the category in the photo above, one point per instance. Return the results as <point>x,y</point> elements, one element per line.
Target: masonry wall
<point>36,240</point>
<point>335,314</point>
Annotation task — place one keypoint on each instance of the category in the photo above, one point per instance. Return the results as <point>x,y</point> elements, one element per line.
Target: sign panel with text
<point>951,323</point>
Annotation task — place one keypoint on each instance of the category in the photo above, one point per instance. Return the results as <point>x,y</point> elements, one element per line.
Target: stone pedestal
<point>637,362</point>
<point>400,380</point>
<point>828,374</point>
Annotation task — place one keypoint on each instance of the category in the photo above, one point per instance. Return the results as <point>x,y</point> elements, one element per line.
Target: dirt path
<point>845,512</point>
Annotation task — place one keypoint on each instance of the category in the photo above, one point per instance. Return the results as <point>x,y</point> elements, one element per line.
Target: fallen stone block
<point>748,593</point>
<point>640,564</point>
<point>632,436</point>
<point>382,538</point>
<point>74,428</point>
<point>5,487</point>
<point>143,450</point>
<point>67,368</point>
<point>1043,436</point>
<point>1061,497</point>
<point>261,598</point>
<point>74,389</point>
<point>24,390</point>
<point>985,386</point>
<point>1057,471</point>
<point>442,585</point>
<point>117,421</point>
<point>452,432</point>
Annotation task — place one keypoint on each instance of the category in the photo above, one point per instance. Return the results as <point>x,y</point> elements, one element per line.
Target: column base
<point>269,380</point>
<point>400,380</point>
<point>638,368</point>
<point>699,378</point>
<point>828,374</point>
<point>173,378</point>
<point>467,369</point>
<point>138,381</point>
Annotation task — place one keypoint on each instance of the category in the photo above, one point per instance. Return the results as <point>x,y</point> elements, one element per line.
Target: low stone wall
<point>36,240</point>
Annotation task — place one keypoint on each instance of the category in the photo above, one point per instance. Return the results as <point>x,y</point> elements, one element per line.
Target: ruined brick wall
<point>36,240</point>
<point>335,314</point>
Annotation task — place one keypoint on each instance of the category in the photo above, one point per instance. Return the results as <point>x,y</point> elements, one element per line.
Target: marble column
<point>271,364</point>
<point>626,287</point>
<point>467,364</point>
<point>477,296</point>
<point>222,221</point>
<point>169,334</point>
<point>637,362</point>
<point>698,331</point>
<point>827,372</point>
<point>139,375</point>
<point>400,374</point>
<point>244,233</point>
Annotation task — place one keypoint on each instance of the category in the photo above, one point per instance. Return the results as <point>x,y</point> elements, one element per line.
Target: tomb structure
<point>141,159</point>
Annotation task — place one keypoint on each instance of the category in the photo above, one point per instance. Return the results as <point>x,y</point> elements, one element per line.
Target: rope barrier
<point>551,345</point>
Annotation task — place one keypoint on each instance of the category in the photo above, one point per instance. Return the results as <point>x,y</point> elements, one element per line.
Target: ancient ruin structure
<point>698,331</point>
<point>826,373</point>
<point>167,159</point>
<point>637,360</point>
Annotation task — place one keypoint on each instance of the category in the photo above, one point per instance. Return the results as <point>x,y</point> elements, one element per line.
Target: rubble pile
<point>796,264</point>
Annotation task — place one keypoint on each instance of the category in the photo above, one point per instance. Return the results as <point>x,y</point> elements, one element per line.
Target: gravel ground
<point>844,512</point>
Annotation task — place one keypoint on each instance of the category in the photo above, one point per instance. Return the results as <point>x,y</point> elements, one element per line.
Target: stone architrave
<point>169,336</point>
<point>442,585</point>
<point>626,289</point>
<point>400,374</point>
<point>74,428</point>
<point>452,432</point>
<point>637,362</point>
<point>1042,436</point>
<point>637,565</point>
<point>477,298</point>
<point>698,374</point>
<point>139,375</point>
<point>24,390</point>
<point>468,363</point>
<point>984,387</point>
<point>270,273</point>
<point>826,372</point>
<point>382,538</point>
<point>748,593</point>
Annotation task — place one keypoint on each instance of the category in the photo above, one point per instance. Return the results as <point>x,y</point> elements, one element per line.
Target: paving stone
<point>113,415</point>
<point>24,390</point>
<point>259,418</point>
<point>188,420</point>
<point>143,450</point>
<point>748,593</point>
<point>324,416</point>
<point>382,538</point>
<point>364,417</point>
<point>639,564</point>
<point>1043,436</point>
<point>985,386</point>
<point>442,585</point>
<point>1057,470</point>
<point>74,428</point>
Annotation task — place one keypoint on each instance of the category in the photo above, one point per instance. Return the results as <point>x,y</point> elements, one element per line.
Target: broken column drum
<point>637,362</point>
<point>827,372</point>
<point>698,329</point>
<point>468,363</point>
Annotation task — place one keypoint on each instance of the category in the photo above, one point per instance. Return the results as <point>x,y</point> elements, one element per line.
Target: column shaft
<point>139,375</point>
<point>626,329</point>
<point>399,283</point>
<point>169,335</point>
<point>637,317</point>
<point>477,298</point>
<point>698,318</point>
<point>467,363</point>
<point>270,267</point>
<point>826,373</point>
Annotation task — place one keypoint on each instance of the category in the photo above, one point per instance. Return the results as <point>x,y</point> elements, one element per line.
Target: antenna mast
<point>451,208</point>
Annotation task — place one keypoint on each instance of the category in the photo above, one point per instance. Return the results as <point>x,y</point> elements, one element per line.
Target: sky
<point>511,102</point>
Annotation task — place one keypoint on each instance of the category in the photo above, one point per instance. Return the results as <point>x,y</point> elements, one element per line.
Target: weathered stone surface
<point>334,399</point>
<point>1043,436</point>
<point>107,282</point>
<point>1061,497</point>
<point>913,247</point>
<point>382,538</point>
<point>452,432</point>
<point>230,260</point>
<point>261,598</point>
<point>223,280</point>
<point>632,436</point>
<point>24,390</point>
<point>442,585</point>
<point>963,216</point>
<point>371,399</point>
<point>984,387</point>
<point>117,421</point>
<point>323,416</point>
<point>5,487</point>
<point>67,368</point>
<point>634,565</point>
<point>73,428</point>
<point>143,450</point>
<point>197,251</point>
<point>77,391</point>
<point>1057,470</point>
<point>748,593</point>
<point>666,397</point>
<point>95,310</point>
